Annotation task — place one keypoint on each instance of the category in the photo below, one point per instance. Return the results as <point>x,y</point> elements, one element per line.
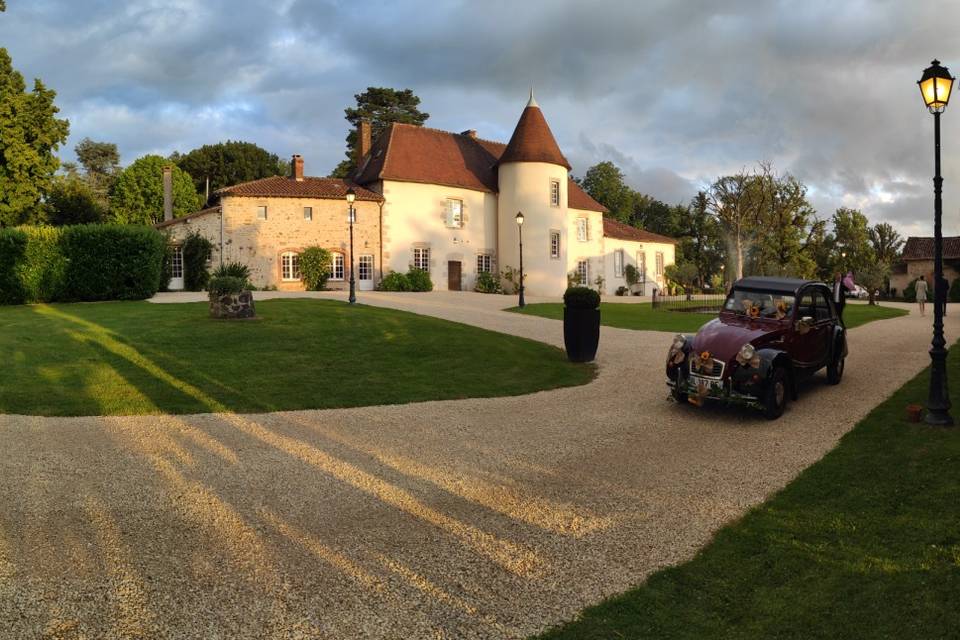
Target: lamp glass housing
<point>519,218</point>
<point>351,196</point>
<point>935,87</point>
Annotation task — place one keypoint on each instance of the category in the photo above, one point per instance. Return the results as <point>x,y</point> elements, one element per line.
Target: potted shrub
<point>581,323</point>
<point>230,298</point>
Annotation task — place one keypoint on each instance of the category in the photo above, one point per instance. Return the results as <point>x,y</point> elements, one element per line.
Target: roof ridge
<point>242,184</point>
<point>452,133</point>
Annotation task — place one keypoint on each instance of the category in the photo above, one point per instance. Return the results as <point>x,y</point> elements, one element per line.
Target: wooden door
<point>453,275</point>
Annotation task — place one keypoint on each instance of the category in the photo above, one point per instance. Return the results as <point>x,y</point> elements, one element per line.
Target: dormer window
<point>554,193</point>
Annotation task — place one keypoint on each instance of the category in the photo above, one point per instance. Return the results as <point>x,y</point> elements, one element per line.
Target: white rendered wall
<point>631,250</point>
<point>525,186</point>
<point>414,215</point>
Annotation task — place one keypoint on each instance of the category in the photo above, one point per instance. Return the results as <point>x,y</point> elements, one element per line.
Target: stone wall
<point>232,305</point>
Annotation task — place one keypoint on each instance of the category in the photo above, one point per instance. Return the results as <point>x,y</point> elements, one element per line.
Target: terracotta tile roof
<point>532,141</point>
<point>615,229</point>
<point>189,216</point>
<point>283,187</point>
<point>919,248</point>
<point>408,153</point>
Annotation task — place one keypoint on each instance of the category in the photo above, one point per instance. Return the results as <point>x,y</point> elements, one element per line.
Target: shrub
<point>166,269</point>
<point>910,291</point>
<point>196,253</point>
<point>82,262</point>
<point>232,270</point>
<point>221,285</point>
<point>622,291</point>
<point>419,280</point>
<point>489,283</point>
<point>395,281</point>
<point>954,294</point>
<point>632,274</point>
<point>13,246</point>
<point>581,298</point>
<point>315,267</point>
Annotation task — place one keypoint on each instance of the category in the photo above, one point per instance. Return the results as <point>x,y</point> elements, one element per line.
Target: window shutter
<point>589,236</point>
<point>449,213</point>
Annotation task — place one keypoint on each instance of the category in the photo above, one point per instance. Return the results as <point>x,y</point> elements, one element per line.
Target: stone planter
<point>232,305</point>
<point>581,333</point>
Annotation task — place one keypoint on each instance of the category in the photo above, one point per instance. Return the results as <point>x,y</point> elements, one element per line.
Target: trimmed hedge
<point>80,263</point>
<point>581,298</point>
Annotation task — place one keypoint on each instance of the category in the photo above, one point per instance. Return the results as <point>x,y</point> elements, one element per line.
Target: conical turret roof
<point>532,140</point>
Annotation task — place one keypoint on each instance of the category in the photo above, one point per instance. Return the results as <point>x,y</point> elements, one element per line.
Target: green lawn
<point>864,544</point>
<point>118,358</point>
<point>642,317</point>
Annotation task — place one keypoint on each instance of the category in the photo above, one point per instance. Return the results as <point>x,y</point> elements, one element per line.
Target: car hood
<point>724,336</point>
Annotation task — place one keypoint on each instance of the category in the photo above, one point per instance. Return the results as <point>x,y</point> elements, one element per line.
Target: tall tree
<point>734,202</point>
<point>228,163</point>
<point>886,242</point>
<point>784,216</point>
<point>604,182</point>
<point>73,201</point>
<point>851,235</point>
<point>137,196</point>
<point>380,106</point>
<point>31,133</point>
<point>101,164</point>
<point>701,242</point>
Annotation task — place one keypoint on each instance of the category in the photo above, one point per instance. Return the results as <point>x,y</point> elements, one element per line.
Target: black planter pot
<point>581,333</point>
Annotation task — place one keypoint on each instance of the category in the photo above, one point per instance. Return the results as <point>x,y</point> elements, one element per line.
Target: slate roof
<point>921,248</point>
<point>283,187</point>
<point>615,229</point>
<point>408,153</point>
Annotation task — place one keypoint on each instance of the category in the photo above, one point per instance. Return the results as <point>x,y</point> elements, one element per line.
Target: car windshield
<point>759,304</point>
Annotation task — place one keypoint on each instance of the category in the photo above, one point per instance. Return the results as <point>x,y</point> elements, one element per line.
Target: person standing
<point>839,295</point>
<point>921,289</point>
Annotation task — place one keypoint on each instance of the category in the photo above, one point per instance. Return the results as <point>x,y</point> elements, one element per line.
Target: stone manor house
<point>440,201</point>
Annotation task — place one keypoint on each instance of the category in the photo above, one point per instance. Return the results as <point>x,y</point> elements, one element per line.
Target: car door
<point>822,329</point>
<point>807,332</point>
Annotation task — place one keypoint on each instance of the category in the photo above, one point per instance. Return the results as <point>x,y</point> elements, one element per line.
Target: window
<point>365,268</point>
<point>289,266</point>
<point>659,263</point>
<point>484,263</point>
<point>642,265</point>
<point>454,213</point>
<point>583,272</point>
<point>262,212</point>
<point>421,258</point>
<point>308,213</point>
<point>336,266</point>
<point>582,229</point>
<point>618,263</point>
<point>555,244</point>
<point>554,193</point>
<point>176,263</point>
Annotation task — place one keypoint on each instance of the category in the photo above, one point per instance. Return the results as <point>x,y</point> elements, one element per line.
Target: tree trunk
<point>871,297</point>
<point>739,264</point>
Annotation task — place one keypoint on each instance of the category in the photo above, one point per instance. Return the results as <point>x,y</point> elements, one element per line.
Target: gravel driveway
<point>491,518</point>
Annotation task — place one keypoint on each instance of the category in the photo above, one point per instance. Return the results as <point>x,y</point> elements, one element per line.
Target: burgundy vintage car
<point>769,334</point>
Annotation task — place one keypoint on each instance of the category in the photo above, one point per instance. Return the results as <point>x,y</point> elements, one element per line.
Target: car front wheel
<point>678,394</point>
<point>775,400</point>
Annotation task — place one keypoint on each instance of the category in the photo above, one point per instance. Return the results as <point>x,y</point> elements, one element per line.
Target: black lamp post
<point>351,216</point>
<point>522,303</point>
<point>935,86</point>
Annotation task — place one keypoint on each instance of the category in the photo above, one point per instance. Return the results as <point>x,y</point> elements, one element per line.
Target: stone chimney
<point>364,140</point>
<point>296,167</point>
<point>167,193</point>
<point>470,133</point>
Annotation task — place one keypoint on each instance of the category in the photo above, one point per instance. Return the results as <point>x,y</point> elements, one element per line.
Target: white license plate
<point>706,383</point>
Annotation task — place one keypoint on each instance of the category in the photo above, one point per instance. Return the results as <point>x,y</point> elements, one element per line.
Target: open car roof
<point>774,285</point>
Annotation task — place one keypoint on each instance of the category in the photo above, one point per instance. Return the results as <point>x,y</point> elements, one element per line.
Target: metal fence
<point>693,303</point>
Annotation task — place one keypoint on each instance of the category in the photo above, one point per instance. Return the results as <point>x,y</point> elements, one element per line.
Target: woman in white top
<point>922,294</point>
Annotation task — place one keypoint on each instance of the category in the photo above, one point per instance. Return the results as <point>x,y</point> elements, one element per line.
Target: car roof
<point>776,285</point>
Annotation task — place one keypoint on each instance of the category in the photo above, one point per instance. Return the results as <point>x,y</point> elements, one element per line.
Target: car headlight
<point>678,342</point>
<point>747,352</point>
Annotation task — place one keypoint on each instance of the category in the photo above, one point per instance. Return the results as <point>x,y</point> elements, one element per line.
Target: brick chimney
<point>470,133</point>
<point>167,193</point>
<point>296,167</point>
<point>364,140</point>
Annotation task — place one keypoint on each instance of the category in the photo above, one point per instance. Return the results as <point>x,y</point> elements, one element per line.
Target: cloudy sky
<point>675,92</point>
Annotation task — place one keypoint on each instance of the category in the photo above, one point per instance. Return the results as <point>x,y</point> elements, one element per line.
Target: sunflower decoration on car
<point>702,362</point>
<point>753,311</point>
<point>781,309</point>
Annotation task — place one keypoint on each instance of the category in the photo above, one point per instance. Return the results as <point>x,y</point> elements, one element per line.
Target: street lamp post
<point>935,86</point>
<point>521,303</point>
<point>351,216</point>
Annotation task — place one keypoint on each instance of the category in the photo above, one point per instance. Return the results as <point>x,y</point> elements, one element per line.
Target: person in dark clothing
<point>839,295</point>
